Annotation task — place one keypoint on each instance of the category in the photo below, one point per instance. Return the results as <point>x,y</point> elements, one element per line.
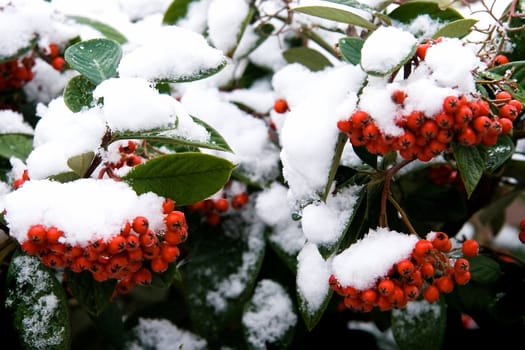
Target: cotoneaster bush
<point>212,174</point>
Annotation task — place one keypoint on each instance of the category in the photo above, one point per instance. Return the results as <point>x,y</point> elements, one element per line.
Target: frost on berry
<point>112,232</point>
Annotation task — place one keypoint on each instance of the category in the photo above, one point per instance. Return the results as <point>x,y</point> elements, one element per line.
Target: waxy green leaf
<point>335,14</point>
<point>78,93</point>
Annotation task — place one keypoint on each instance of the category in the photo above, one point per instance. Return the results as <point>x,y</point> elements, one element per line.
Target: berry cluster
<point>15,73</point>
<point>467,122</point>
<point>53,56</point>
<point>429,271</point>
<point>212,208</point>
<point>130,256</point>
<point>128,157</point>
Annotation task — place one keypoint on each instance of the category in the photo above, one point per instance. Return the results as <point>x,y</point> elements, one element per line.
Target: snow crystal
<point>225,18</point>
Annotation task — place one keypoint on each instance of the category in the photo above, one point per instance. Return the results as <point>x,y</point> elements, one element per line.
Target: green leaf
<point>353,3</point>
<point>81,163</point>
<point>310,58</point>
<point>365,156</point>
<point>78,93</point>
<point>350,48</point>
<point>456,29</point>
<point>15,145</point>
<point>484,269</point>
<point>96,59</point>
<point>184,177</point>
<point>220,276</point>
<point>20,52</point>
<point>499,153</point>
<point>197,75</point>
<point>471,162</point>
<point>92,295</point>
<point>176,11</point>
<point>169,136</point>
<point>105,29</point>
<point>336,14</point>
<point>65,177</point>
<point>39,306</point>
<point>420,325</point>
<point>247,20</point>
<point>110,325</point>
<point>408,11</point>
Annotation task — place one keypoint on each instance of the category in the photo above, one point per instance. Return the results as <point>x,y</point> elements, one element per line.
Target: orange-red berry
<point>470,248</point>
<point>431,293</point>
<point>280,106</point>
<point>140,225</point>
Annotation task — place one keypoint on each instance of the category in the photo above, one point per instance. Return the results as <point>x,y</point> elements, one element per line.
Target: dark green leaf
<point>471,162</point>
<point>96,59</point>
<point>184,177</point>
<point>169,136</point>
<point>15,145</point>
<point>312,317</point>
<point>289,259</point>
<point>484,269</point>
<point>365,156</point>
<point>310,58</point>
<point>350,48</point>
<point>65,177</point>
<point>408,11</point>
<point>78,93</point>
<point>81,163</point>
<point>111,325</point>
<point>336,14</point>
<point>456,29</point>
<point>20,52</point>
<point>420,325</point>
<point>353,3</point>
<point>220,275</point>
<point>499,153</point>
<point>421,203</point>
<point>39,306</point>
<point>176,11</point>
<point>92,295</point>
<point>106,30</point>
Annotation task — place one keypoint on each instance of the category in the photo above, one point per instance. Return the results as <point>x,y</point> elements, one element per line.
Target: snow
<point>225,19</point>
<point>107,204</point>
<point>12,122</point>
<point>170,53</point>
<point>312,273</point>
<point>154,333</point>
<point>370,258</point>
<point>385,48</point>
<point>269,316</point>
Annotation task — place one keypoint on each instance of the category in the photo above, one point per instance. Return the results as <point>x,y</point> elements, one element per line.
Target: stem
<point>404,216</point>
<point>320,41</point>
<point>383,221</point>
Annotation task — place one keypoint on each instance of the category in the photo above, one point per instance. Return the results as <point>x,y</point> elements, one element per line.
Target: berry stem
<point>404,216</point>
<point>389,175</point>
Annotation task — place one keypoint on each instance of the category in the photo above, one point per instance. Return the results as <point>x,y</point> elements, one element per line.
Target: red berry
<point>421,50</point>
<point>158,265</point>
<point>58,63</point>
<point>462,278</point>
<point>386,287</point>
<point>508,111</point>
<point>422,248</point>
<point>37,234</point>
<point>399,96</point>
<point>140,225</point>
<point>522,225</point>
<point>499,60</point>
<point>405,267</point>
<point>239,200</point>
<point>116,245</point>
<point>444,283</point>
<point>470,248</point>
<point>503,96</point>
<point>281,106</point>
<point>359,119</point>
<point>169,252</point>
<point>53,234</point>
<point>222,205</point>
<point>521,237</point>
<point>482,124</point>
<point>344,125</point>
<point>461,265</point>
<point>176,220</point>
<point>451,104</point>
<point>142,276</point>
<point>168,206</point>
<point>431,294</point>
